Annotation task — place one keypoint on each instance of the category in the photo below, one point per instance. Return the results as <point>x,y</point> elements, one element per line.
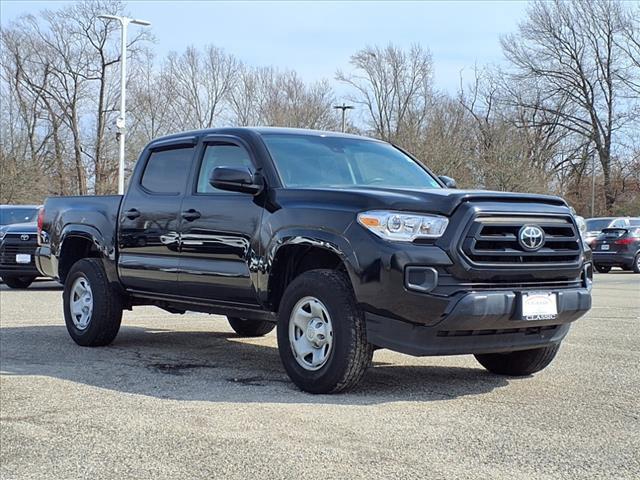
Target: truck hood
<point>440,201</point>
<point>20,228</point>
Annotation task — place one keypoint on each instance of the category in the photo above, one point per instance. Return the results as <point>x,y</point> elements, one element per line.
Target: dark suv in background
<point>618,247</point>
<point>18,242</point>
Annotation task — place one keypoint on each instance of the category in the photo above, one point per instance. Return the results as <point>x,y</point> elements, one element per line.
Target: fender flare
<point>319,238</point>
<point>105,247</point>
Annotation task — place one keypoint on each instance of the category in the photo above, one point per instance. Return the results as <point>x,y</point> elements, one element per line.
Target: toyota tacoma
<point>347,244</point>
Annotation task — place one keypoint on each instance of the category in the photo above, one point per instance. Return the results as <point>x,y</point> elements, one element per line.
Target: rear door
<point>149,218</point>
<point>219,229</point>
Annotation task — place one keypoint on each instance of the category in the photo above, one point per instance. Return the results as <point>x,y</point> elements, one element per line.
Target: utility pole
<point>344,107</point>
<point>121,121</point>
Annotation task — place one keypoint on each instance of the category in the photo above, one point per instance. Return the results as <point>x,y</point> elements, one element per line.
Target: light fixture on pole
<point>344,107</point>
<point>121,121</point>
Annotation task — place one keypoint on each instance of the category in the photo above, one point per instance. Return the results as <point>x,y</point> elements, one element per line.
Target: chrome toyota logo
<point>531,237</point>
<point>24,237</point>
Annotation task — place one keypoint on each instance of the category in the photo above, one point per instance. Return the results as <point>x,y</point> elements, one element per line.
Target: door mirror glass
<point>236,179</point>
<point>448,181</point>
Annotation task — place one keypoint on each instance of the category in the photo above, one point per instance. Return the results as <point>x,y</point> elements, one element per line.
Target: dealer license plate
<point>23,258</point>
<point>604,247</point>
<point>539,306</point>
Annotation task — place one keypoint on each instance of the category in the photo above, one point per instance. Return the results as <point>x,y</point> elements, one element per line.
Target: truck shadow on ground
<point>216,367</point>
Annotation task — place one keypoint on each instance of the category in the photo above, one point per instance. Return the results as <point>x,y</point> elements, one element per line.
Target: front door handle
<point>191,215</point>
<point>132,214</point>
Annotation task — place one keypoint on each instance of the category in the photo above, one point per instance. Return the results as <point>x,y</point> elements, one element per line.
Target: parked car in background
<point>18,242</point>
<point>618,247</point>
<point>596,225</point>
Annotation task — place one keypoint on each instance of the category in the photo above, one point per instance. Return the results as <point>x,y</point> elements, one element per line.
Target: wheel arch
<point>83,241</point>
<point>293,253</point>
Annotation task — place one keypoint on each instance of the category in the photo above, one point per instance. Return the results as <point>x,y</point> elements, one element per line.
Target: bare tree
<point>571,51</point>
<point>394,87</point>
<point>202,82</point>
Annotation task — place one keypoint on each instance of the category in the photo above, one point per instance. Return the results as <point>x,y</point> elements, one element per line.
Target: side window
<point>220,155</point>
<point>167,170</point>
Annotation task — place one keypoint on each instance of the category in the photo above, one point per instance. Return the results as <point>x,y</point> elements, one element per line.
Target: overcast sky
<point>317,38</point>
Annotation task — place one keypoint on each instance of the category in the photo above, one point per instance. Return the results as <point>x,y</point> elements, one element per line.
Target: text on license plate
<point>539,306</point>
<point>604,247</point>
<point>23,258</point>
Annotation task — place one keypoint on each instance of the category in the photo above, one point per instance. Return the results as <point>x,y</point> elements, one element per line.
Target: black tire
<point>18,282</point>
<point>106,316</point>
<point>350,354</point>
<point>519,363</point>
<point>603,269</point>
<point>250,328</point>
<point>636,263</point>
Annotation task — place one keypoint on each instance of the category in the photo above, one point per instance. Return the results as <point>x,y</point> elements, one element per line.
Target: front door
<point>219,230</point>
<point>150,218</point>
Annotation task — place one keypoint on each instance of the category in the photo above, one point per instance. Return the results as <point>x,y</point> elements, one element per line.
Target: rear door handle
<point>191,215</point>
<point>132,214</point>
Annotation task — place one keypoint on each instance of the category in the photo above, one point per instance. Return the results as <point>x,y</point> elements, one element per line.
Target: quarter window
<point>167,170</point>
<point>220,155</point>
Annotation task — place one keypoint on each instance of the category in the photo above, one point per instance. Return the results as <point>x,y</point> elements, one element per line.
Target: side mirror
<point>236,179</point>
<point>448,181</point>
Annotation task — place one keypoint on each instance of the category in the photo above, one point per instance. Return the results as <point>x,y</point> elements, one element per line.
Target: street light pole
<point>593,186</point>
<point>121,121</point>
<point>344,107</point>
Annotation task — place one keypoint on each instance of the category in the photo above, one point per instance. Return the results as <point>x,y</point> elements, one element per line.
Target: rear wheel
<point>321,333</point>
<point>603,269</point>
<point>636,263</point>
<point>92,307</point>
<point>250,328</point>
<point>18,282</point>
<point>523,362</point>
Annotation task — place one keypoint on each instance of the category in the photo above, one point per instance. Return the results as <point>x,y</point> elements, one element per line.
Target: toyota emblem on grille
<point>24,237</point>
<point>531,237</point>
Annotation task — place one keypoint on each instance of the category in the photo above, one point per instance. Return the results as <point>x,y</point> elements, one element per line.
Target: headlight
<point>403,227</point>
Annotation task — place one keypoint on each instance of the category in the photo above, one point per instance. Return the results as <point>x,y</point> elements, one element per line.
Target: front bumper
<point>428,299</point>
<point>480,323</point>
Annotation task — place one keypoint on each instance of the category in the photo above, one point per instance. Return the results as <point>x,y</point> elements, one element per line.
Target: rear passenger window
<point>167,170</point>
<point>220,155</point>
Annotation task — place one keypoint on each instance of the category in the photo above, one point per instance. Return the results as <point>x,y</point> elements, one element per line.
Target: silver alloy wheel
<point>638,261</point>
<point>310,333</point>
<point>81,303</point>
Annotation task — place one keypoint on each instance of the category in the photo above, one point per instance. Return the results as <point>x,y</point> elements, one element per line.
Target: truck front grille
<point>8,254</point>
<point>492,240</point>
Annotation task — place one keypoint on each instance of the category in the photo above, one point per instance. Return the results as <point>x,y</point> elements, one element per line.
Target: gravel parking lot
<point>183,397</point>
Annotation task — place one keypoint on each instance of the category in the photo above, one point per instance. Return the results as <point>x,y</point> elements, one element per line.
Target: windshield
<point>305,161</point>
<point>597,224</point>
<point>11,215</point>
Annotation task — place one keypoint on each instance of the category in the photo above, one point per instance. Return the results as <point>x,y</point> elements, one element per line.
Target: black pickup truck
<point>346,243</point>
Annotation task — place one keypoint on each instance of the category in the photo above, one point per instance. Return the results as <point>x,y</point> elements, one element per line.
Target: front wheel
<point>636,263</point>
<point>322,339</point>
<point>18,282</point>
<point>250,328</point>
<point>519,363</point>
<point>92,307</point>
<point>603,269</point>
